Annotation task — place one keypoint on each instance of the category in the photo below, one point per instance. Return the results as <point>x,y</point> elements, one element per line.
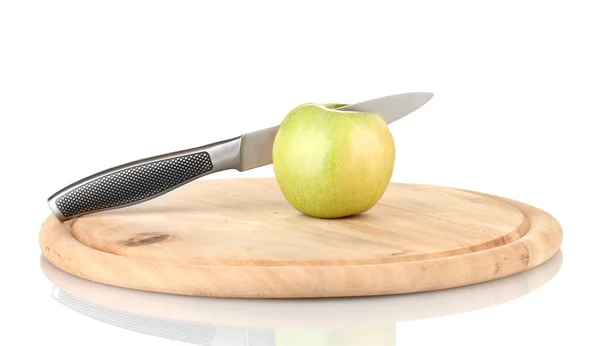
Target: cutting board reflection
<point>240,238</point>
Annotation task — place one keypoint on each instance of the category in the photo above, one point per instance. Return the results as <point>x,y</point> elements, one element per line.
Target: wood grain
<point>304,313</point>
<point>240,238</point>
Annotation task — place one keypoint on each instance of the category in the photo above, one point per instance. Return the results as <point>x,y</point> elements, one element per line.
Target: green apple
<point>331,163</point>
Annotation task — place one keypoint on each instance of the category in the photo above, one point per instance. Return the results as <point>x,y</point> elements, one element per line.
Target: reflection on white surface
<point>281,322</point>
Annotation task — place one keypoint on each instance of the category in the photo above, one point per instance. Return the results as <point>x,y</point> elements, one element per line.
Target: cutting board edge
<point>539,244</point>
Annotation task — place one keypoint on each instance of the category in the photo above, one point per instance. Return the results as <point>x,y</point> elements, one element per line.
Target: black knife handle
<point>141,180</point>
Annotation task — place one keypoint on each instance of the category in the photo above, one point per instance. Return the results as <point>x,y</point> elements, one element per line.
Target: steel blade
<point>257,147</point>
<point>392,108</point>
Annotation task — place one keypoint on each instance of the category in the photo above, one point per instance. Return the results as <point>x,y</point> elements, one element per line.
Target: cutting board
<point>241,238</point>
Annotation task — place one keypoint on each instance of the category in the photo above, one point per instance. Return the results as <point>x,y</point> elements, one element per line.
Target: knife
<point>144,179</point>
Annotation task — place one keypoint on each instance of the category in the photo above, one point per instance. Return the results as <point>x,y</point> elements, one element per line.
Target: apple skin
<point>331,163</point>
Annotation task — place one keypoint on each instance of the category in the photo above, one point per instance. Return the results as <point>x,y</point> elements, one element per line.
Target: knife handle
<point>144,179</point>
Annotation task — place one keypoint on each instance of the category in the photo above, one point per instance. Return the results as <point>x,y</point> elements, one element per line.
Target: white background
<point>86,85</point>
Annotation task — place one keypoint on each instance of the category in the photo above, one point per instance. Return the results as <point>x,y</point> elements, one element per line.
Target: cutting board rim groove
<point>540,237</point>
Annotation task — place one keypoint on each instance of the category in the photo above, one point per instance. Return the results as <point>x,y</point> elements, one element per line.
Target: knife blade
<point>141,180</point>
<point>257,147</point>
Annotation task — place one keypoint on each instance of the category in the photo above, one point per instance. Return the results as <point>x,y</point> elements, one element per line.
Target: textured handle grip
<point>133,184</point>
<point>144,179</point>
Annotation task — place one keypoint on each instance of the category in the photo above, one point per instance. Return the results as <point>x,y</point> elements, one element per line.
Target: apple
<point>331,163</point>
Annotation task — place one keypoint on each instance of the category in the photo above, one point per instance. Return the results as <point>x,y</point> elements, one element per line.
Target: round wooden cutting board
<point>241,238</point>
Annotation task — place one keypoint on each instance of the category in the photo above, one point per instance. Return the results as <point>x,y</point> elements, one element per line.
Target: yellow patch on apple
<point>331,163</point>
